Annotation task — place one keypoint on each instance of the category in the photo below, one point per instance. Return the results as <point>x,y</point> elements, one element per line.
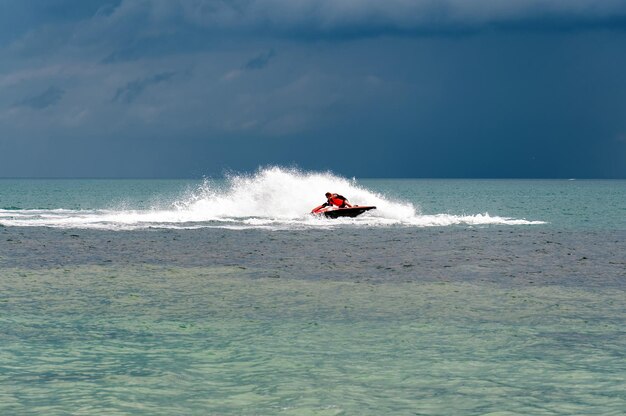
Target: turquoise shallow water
<point>573,204</point>
<point>77,194</point>
<point>562,203</point>
<point>149,340</point>
<point>357,317</point>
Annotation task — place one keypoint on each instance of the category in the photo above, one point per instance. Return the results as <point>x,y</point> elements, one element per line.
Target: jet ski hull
<point>351,212</point>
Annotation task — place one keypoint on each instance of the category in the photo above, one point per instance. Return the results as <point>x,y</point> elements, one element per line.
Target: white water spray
<point>275,198</point>
<point>283,194</point>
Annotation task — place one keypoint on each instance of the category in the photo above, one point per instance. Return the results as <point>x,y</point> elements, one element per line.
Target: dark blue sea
<point>225,296</point>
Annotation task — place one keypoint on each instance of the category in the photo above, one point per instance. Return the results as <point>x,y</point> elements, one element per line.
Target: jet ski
<point>335,212</point>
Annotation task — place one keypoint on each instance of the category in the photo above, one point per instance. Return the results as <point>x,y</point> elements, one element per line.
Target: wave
<point>274,198</point>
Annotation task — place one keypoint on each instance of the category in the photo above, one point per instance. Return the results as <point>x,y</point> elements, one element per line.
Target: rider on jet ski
<point>335,200</point>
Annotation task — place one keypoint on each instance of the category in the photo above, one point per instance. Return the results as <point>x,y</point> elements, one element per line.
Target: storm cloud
<point>371,17</point>
<point>133,89</point>
<point>362,87</point>
<point>85,22</point>
<point>260,61</point>
<point>46,99</point>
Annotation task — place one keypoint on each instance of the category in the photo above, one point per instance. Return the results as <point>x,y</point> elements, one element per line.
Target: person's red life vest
<point>336,201</point>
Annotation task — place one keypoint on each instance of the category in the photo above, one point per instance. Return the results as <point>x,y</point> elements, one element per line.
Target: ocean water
<point>223,296</point>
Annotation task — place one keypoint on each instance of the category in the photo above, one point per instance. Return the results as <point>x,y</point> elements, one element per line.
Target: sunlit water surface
<point>513,303</point>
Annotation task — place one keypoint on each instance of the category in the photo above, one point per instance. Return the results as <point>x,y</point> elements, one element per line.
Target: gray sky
<point>366,88</point>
